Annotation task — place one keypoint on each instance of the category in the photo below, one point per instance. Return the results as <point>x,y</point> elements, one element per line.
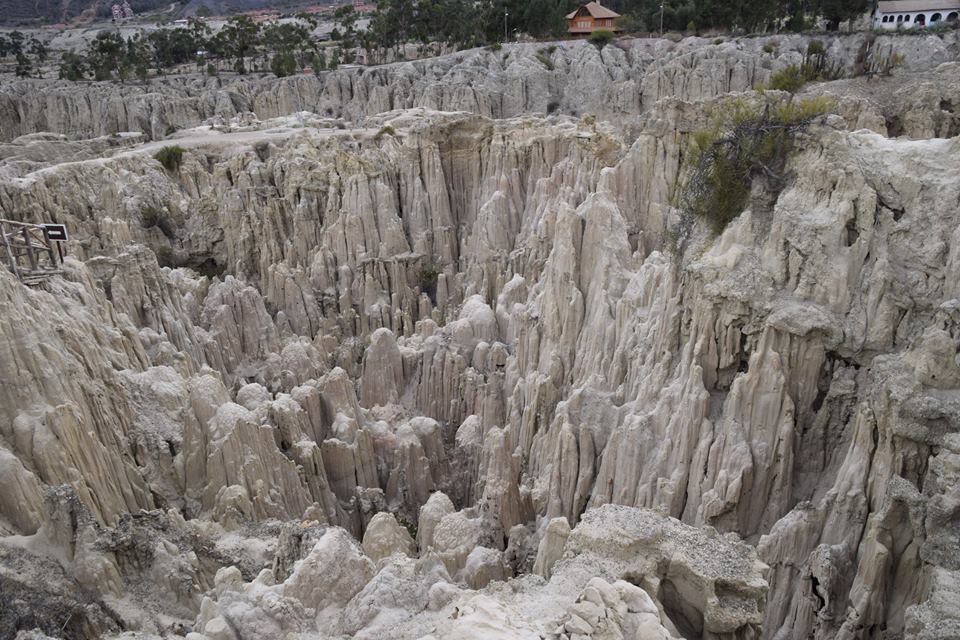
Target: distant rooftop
<point>907,6</point>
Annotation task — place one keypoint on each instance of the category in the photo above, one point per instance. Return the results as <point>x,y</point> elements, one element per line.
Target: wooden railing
<point>29,252</point>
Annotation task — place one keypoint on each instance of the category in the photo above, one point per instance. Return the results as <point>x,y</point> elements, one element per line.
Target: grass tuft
<point>171,157</point>
<point>386,130</point>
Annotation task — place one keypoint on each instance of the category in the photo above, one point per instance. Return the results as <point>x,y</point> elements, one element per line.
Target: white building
<point>908,14</point>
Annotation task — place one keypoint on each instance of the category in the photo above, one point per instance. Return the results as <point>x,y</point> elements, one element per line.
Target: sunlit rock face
<point>444,372</point>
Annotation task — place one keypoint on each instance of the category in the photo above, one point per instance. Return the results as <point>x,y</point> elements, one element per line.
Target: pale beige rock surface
<point>469,345</point>
<point>385,537</point>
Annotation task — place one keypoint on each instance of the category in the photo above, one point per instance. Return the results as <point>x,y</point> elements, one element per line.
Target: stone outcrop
<point>621,610</point>
<point>587,595</point>
<point>385,537</point>
<point>551,546</point>
<point>705,584</point>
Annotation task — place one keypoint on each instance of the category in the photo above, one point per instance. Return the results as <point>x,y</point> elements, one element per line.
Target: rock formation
<point>445,372</point>
<point>615,82</point>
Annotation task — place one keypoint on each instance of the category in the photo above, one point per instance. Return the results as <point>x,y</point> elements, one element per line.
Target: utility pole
<point>505,14</point>
<point>662,3</point>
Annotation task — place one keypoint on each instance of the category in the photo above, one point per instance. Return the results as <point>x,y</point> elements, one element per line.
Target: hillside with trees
<point>461,24</point>
<point>39,12</point>
<point>745,15</point>
<point>464,23</point>
<point>432,26</point>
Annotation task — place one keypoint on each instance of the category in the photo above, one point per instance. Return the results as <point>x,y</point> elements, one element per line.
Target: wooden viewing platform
<point>29,250</point>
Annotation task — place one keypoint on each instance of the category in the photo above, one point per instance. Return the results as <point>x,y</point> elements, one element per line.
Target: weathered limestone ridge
<point>617,82</point>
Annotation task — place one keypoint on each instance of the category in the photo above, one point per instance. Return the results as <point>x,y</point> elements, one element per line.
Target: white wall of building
<point>915,19</point>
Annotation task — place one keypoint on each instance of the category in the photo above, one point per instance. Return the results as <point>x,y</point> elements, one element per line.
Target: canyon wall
<point>468,337</point>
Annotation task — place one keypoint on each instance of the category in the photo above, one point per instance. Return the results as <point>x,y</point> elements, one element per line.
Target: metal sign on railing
<point>56,232</point>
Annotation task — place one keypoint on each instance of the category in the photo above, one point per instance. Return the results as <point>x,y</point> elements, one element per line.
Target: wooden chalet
<point>590,17</point>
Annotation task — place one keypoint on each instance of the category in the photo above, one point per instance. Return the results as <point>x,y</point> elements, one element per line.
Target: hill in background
<point>38,12</point>
<point>34,12</point>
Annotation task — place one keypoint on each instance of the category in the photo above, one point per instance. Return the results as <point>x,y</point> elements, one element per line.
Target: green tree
<point>631,23</point>
<point>601,38</point>
<point>320,61</point>
<point>345,31</point>
<point>308,19</point>
<point>72,67</point>
<point>137,57</point>
<point>837,11</point>
<point>200,32</point>
<point>544,18</point>
<point>393,24</point>
<point>283,64</point>
<point>15,41</point>
<point>105,55</point>
<point>38,50</point>
<point>170,47</point>
<point>346,55</point>
<point>238,40</point>
<point>381,35</point>
<point>24,66</point>
<point>290,39</point>
<point>794,15</point>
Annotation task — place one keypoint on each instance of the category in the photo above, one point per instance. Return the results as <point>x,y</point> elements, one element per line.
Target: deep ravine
<point>388,361</point>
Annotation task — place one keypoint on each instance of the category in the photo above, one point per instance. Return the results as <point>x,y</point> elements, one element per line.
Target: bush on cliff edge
<point>742,144</point>
<point>170,157</point>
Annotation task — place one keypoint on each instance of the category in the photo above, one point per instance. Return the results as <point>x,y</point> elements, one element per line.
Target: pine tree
<point>72,67</point>
<point>24,66</point>
<point>239,40</point>
<point>837,11</point>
